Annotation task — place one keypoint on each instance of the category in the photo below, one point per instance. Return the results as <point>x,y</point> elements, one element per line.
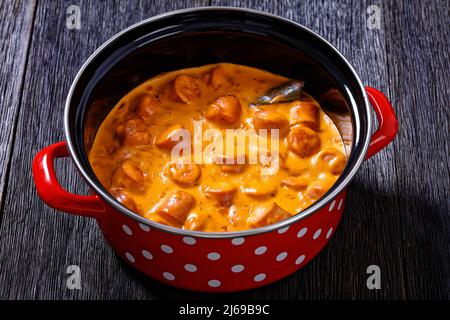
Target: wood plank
<point>418,67</point>
<point>15,35</point>
<point>37,243</point>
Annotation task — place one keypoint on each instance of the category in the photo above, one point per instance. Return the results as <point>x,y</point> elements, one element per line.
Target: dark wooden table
<point>397,214</point>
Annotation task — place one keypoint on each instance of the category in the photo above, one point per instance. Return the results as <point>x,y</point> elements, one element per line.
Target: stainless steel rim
<point>202,234</point>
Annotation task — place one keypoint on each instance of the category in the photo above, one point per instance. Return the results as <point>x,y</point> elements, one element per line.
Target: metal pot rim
<point>335,191</point>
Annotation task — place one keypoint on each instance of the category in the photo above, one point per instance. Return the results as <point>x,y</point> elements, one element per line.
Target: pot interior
<point>198,37</point>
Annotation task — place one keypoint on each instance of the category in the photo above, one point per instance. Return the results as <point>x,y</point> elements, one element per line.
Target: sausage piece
<point>133,172</point>
<point>129,177</point>
<point>295,183</point>
<point>183,173</point>
<point>175,207</point>
<point>303,141</point>
<point>233,167</point>
<point>259,189</point>
<point>164,138</point>
<point>222,191</point>
<point>219,77</point>
<point>306,113</point>
<point>270,119</point>
<point>266,215</point>
<point>187,88</point>
<point>225,110</point>
<point>194,221</point>
<point>133,132</point>
<point>147,107</point>
<point>315,191</point>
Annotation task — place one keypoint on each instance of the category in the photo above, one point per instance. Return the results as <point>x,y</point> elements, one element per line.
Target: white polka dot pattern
<point>190,267</point>
<point>189,240</point>
<point>260,250</point>
<point>302,232</point>
<point>147,255</point>
<point>214,283</point>
<point>281,256</point>
<point>276,255</point>
<point>168,276</point>
<point>130,257</point>
<point>283,230</point>
<point>237,241</point>
<point>300,259</point>
<point>214,256</point>
<point>317,234</point>
<point>144,227</point>
<point>127,230</point>
<point>332,205</point>
<point>329,233</point>
<point>259,277</point>
<point>166,249</point>
<point>340,204</point>
<point>237,268</point>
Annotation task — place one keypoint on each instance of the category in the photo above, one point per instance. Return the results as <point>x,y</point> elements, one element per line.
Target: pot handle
<point>53,194</point>
<point>387,121</point>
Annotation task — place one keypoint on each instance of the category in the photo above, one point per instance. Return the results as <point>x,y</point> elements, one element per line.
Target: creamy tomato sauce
<point>132,151</point>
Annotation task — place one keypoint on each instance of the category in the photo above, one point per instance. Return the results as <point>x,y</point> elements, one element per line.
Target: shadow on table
<point>403,233</point>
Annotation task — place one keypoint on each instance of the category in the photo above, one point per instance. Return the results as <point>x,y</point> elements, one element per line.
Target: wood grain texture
<point>417,46</point>
<point>397,215</point>
<point>16,19</point>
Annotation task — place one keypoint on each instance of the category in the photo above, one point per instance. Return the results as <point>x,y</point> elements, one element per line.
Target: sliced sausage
<point>133,132</point>
<point>315,191</point>
<point>175,207</point>
<point>303,141</point>
<point>219,77</point>
<point>129,177</point>
<point>133,172</point>
<point>232,167</point>
<point>266,215</point>
<point>306,113</point>
<point>147,107</point>
<point>225,110</point>
<point>195,222</point>
<point>187,88</point>
<point>222,192</point>
<point>184,173</point>
<point>270,119</point>
<point>164,138</point>
<point>295,183</point>
<point>259,189</point>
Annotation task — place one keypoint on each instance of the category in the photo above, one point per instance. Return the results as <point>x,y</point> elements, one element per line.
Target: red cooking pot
<point>222,261</point>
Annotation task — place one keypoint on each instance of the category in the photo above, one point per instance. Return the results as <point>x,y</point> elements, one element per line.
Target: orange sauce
<point>132,152</point>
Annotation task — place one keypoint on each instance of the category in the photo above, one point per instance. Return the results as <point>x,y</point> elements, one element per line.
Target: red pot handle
<point>387,121</point>
<point>52,193</point>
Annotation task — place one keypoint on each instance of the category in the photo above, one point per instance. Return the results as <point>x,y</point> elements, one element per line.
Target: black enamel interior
<point>188,39</point>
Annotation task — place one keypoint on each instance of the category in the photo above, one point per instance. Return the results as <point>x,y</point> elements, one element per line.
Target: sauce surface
<point>132,151</point>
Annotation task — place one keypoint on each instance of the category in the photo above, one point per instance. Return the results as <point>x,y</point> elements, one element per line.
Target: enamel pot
<point>215,262</point>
